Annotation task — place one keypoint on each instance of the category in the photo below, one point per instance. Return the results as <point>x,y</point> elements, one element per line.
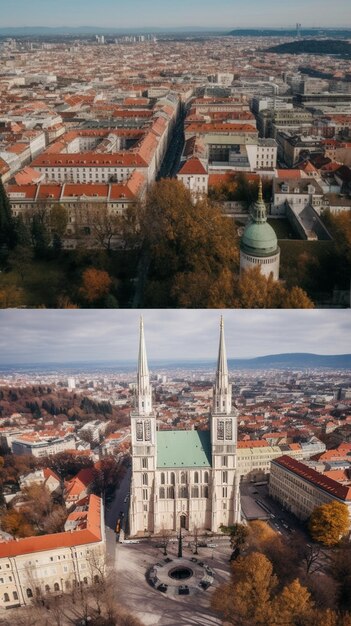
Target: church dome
<point>259,238</point>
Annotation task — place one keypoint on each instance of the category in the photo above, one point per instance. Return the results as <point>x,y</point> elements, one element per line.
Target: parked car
<point>183,590</point>
<point>162,587</point>
<point>212,545</point>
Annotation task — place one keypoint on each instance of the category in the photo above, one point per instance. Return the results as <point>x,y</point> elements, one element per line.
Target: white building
<point>300,489</point>
<point>184,477</point>
<point>28,444</point>
<point>35,566</point>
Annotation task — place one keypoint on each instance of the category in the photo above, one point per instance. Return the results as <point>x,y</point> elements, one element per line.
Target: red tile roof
<point>335,489</point>
<point>193,166</point>
<point>90,534</point>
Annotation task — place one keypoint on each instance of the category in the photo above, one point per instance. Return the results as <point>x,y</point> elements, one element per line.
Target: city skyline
<point>137,14</point>
<point>92,335</point>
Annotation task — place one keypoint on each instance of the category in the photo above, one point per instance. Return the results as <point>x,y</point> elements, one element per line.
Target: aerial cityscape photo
<point>130,131</point>
<point>175,330</point>
<point>175,467</point>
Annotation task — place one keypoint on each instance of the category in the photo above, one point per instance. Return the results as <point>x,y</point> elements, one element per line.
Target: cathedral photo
<point>184,478</point>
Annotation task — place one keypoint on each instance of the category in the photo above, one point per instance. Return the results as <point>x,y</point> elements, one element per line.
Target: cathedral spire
<point>222,366</point>
<point>144,400</point>
<point>222,397</point>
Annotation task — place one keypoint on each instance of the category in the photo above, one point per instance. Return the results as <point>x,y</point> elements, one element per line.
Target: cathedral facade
<point>184,478</point>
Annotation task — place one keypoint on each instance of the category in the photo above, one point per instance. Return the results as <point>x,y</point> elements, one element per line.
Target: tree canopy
<point>329,523</point>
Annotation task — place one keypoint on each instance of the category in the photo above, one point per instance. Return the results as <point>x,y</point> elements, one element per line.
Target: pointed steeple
<point>222,366</point>
<point>144,395</point>
<point>222,397</point>
<point>258,209</point>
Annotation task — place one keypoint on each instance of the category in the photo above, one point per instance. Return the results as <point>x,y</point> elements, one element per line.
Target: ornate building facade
<point>184,477</point>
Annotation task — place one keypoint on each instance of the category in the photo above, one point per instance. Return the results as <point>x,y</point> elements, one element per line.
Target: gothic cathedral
<point>184,477</point>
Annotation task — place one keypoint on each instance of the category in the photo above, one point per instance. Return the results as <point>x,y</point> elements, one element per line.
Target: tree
<point>238,536</point>
<point>8,235</point>
<point>40,235</point>
<point>329,523</point>
<point>255,290</point>
<point>58,220</point>
<point>190,246</point>
<point>292,604</point>
<point>247,598</point>
<point>96,284</point>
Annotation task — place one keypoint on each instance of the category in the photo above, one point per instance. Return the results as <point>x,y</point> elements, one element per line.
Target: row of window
<point>183,492</point>
<point>47,588</point>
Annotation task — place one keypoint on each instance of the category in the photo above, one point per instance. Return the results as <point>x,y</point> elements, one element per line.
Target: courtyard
<point>133,564</point>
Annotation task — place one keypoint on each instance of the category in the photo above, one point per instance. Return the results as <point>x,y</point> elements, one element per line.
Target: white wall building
<point>186,478</point>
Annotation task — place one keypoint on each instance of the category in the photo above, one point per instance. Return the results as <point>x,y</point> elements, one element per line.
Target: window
<point>225,461</point>
<point>228,429</point>
<point>15,595</point>
<point>172,478</point>
<point>224,477</point>
<point>162,478</point>
<point>29,593</point>
<point>145,494</point>
<point>183,478</point>
<point>196,477</point>
<point>144,462</point>
<point>139,430</point>
<point>183,492</point>
<point>195,492</point>
<point>145,479</point>
<point>170,493</point>
<point>206,492</point>
<point>56,587</point>
<point>162,493</point>
<point>147,430</point>
<point>6,597</point>
<point>224,492</point>
<point>220,430</point>
<point>206,477</point>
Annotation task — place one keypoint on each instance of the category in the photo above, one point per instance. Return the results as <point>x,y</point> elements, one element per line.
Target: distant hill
<point>299,360</point>
<point>315,46</point>
<point>285,32</point>
<point>296,360</point>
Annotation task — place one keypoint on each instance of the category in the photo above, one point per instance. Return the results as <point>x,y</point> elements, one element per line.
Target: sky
<point>174,13</point>
<point>64,336</point>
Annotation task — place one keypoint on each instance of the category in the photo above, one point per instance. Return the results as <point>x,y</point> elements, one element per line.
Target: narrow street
<point>113,511</point>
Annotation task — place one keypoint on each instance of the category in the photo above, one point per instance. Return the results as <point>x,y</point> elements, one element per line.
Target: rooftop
<point>183,448</point>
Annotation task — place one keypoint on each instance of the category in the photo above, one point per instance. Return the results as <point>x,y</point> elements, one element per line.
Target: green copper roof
<point>259,239</point>
<point>183,448</point>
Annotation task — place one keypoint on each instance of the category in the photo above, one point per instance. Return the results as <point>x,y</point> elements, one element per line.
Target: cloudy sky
<point>63,336</point>
<point>173,13</point>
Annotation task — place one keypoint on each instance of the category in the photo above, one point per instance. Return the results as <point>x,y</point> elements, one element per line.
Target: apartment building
<point>300,489</point>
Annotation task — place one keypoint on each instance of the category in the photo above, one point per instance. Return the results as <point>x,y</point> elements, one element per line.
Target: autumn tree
<point>190,247</point>
<point>255,290</point>
<point>291,605</point>
<point>96,285</point>
<point>246,599</point>
<point>15,523</point>
<point>329,523</point>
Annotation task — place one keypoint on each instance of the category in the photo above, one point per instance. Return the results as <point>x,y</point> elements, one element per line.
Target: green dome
<point>259,239</point>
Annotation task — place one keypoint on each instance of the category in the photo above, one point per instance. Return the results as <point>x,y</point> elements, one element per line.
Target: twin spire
<point>222,399</point>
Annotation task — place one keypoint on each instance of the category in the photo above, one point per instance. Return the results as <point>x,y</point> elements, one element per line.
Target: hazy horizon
<point>40,336</point>
<point>158,14</point>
